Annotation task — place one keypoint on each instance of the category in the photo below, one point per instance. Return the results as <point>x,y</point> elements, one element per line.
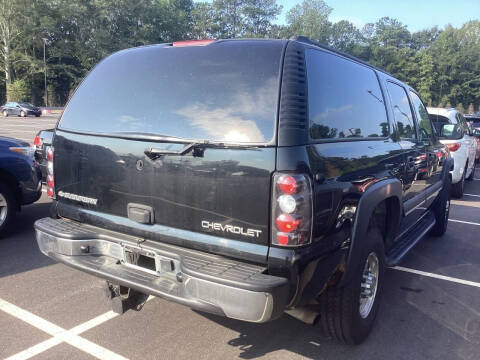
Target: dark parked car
<point>245,178</point>
<point>20,179</point>
<point>21,109</point>
<point>41,142</point>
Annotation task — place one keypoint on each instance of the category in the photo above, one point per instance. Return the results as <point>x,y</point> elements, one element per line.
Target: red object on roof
<point>193,42</point>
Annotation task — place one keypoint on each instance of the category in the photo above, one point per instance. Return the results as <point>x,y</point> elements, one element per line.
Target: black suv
<point>245,178</point>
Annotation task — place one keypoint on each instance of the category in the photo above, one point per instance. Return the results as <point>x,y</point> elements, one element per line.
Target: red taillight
<point>50,182</point>
<point>287,223</point>
<point>50,154</point>
<point>453,146</point>
<point>291,210</point>
<point>50,178</point>
<point>287,184</point>
<point>192,42</point>
<point>37,141</point>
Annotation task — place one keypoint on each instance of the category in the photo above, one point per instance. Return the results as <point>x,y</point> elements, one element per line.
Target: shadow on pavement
<point>418,319</point>
<point>18,249</point>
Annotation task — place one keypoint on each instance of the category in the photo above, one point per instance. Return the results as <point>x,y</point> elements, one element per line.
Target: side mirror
<point>17,106</point>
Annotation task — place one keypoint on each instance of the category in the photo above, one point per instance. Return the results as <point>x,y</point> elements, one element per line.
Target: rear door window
<point>225,92</point>
<point>423,119</point>
<point>344,99</point>
<point>401,111</point>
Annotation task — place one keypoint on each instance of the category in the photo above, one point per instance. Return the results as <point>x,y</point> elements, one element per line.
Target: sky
<point>416,14</point>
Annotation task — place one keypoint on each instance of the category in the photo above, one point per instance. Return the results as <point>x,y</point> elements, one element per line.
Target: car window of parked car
<point>219,92</point>
<point>423,120</point>
<point>344,99</point>
<point>401,111</point>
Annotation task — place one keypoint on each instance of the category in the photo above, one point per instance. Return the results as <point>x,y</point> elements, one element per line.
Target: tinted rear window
<point>344,99</point>
<point>222,92</point>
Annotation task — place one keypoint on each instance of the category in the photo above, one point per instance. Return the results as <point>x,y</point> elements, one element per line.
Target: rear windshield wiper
<point>197,147</point>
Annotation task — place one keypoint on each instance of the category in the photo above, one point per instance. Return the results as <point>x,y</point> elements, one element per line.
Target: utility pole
<point>45,68</point>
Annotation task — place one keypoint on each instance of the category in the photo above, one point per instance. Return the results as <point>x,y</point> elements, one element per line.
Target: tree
<point>9,32</point>
<point>343,35</point>
<point>310,18</point>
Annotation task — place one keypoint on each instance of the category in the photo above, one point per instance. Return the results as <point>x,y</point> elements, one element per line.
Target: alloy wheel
<point>3,209</point>
<point>369,284</point>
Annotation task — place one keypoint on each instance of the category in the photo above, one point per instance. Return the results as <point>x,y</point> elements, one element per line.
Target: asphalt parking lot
<point>430,308</point>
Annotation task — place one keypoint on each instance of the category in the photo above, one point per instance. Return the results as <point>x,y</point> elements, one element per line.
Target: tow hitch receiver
<point>123,298</point>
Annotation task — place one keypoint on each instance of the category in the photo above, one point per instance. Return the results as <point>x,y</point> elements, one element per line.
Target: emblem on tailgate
<point>239,230</point>
<point>75,197</point>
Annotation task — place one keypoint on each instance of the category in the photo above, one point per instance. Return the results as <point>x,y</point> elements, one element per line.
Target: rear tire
<point>441,210</point>
<point>7,208</point>
<point>457,189</point>
<point>341,314</point>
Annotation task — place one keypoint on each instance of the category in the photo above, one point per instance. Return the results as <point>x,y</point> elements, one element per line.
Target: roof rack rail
<point>307,40</point>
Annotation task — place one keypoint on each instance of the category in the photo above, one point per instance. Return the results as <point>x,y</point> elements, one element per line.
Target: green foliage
<point>310,18</point>
<point>18,90</point>
<point>443,65</point>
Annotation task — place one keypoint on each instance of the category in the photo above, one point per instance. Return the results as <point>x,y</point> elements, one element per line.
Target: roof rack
<point>307,40</point>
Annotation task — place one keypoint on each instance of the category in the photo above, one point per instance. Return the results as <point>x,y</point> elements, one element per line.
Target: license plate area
<point>147,261</point>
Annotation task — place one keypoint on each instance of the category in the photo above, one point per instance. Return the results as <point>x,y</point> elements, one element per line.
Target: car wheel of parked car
<point>441,210</point>
<point>457,189</point>
<point>22,113</point>
<point>7,207</point>
<point>5,113</point>
<point>348,313</point>
<point>472,174</point>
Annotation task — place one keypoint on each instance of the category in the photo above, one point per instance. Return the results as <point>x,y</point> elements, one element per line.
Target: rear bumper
<point>201,281</point>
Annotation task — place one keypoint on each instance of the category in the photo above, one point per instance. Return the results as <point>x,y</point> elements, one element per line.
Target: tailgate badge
<point>239,230</point>
<point>79,198</point>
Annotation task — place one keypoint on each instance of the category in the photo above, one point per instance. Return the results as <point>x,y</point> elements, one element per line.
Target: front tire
<point>441,210</point>
<point>458,188</point>
<point>7,208</point>
<point>348,313</point>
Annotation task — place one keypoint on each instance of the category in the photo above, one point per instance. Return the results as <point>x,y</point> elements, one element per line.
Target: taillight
<point>50,178</point>
<point>37,142</point>
<point>453,146</point>
<point>291,210</point>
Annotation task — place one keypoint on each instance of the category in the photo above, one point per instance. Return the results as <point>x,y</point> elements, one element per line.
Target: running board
<point>403,245</point>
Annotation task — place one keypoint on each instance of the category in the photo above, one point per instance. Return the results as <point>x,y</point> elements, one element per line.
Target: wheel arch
<point>386,193</point>
<point>7,178</point>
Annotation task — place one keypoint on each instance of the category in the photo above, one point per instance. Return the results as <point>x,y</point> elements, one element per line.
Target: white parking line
<point>61,334</point>
<point>437,276</point>
<point>47,344</point>
<point>471,195</point>
<point>464,222</point>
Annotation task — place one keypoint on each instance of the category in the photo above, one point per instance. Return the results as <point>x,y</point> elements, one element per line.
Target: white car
<point>453,131</point>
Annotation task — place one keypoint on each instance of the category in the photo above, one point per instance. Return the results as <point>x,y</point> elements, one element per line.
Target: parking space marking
<point>471,195</point>
<point>77,330</point>
<point>437,276</point>
<point>61,334</point>
<point>464,222</point>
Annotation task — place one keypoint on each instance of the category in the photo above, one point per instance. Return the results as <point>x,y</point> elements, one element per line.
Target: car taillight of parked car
<point>50,178</point>
<point>454,146</point>
<point>37,143</point>
<point>291,210</point>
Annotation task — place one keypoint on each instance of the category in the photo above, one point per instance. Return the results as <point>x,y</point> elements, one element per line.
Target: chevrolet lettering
<point>230,228</point>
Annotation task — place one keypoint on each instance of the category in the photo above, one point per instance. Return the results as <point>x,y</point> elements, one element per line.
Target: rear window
<point>221,92</point>
<point>344,99</point>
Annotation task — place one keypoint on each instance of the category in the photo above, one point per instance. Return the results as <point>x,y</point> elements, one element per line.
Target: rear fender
<point>373,196</point>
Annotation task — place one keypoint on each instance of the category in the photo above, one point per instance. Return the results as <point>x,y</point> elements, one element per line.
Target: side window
<point>401,111</point>
<point>424,124</point>
<point>344,99</point>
